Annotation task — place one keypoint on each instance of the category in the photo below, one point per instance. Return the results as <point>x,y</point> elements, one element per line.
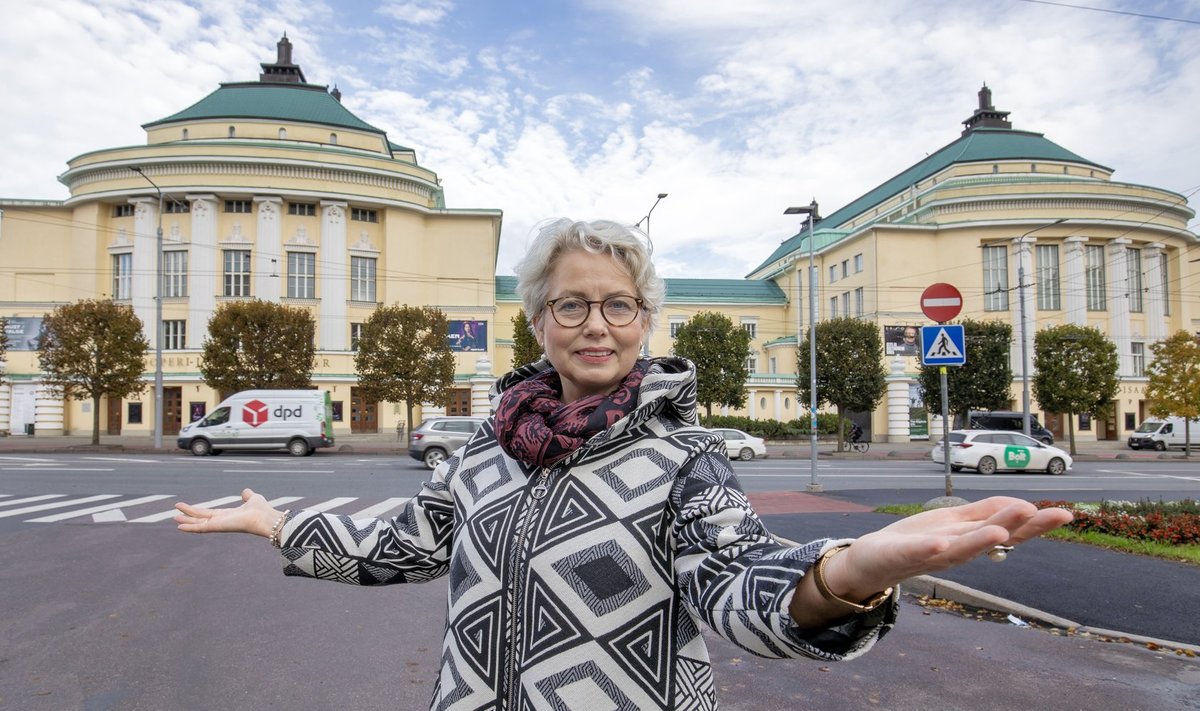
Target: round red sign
<point>941,302</point>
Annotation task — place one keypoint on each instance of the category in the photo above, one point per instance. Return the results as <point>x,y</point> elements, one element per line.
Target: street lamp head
<point>661,196</point>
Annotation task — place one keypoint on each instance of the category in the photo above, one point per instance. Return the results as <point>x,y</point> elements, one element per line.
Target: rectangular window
<point>125,210</point>
<point>362,279</point>
<point>1048,286</point>
<point>858,263</point>
<point>1166,292</point>
<point>135,413</point>
<point>240,206</point>
<point>304,209</point>
<point>174,274</point>
<point>302,275</point>
<point>1094,276</point>
<point>752,364</point>
<point>177,207</point>
<point>237,272</point>
<point>846,304</point>
<point>122,269</point>
<point>361,215</point>
<point>1133,262</point>
<point>858,302</point>
<point>832,273</point>
<point>355,335</point>
<point>174,335</point>
<point>1137,350</point>
<point>833,311</point>
<point>675,326</point>
<point>995,278</point>
<point>751,328</point>
<point>772,365</point>
<point>845,268</point>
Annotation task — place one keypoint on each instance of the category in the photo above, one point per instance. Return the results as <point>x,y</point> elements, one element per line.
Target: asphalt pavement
<point>1088,590</point>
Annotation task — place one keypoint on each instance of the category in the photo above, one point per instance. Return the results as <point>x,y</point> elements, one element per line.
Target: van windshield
<point>1150,426</point>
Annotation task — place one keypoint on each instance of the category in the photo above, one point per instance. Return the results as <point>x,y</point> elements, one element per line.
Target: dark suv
<point>438,437</point>
<point>1010,421</point>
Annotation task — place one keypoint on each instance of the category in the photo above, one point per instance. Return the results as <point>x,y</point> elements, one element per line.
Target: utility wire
<point>1114,12</point>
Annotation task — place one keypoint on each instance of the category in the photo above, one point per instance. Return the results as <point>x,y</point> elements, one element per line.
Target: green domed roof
<point>302,103</point>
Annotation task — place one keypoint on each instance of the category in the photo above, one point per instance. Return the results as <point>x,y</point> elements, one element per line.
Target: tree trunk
<point>408,408</point>
<point>95,419</point>
<point>1187,438</point>
<point>1071,431</point>
<point>841,430</point>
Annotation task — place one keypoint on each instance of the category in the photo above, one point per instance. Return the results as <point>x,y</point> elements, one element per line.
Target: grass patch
<point>1187,553</point>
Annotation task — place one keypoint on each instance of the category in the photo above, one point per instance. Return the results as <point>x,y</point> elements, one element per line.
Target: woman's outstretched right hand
<point>255,516</point>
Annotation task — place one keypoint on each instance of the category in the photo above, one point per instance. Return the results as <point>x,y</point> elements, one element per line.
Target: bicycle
<point>860,446</point>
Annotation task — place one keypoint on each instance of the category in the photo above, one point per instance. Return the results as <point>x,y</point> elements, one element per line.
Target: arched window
<point>333,139</point>
<point>232,132</point>
<point>185,134</point>
<point>283,134</point>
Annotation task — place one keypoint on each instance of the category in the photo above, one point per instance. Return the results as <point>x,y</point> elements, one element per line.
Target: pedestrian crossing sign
<point>943,345</point>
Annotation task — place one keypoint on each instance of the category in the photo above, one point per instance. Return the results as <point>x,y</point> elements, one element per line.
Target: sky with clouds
<point>590,108</point>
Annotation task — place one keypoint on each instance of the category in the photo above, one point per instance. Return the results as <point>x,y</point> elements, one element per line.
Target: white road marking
<point>380,508</point>
<point>58,504</point>
<point>279,471</point>
<point>26,459</point>
<point>110,516</point>
<point>170,513</point>
<point>284,500</point>
<point>95,509</point>
<point>31,499</point>
<point>124,459</point>
<point>53,468</point>
<point>331,504</point>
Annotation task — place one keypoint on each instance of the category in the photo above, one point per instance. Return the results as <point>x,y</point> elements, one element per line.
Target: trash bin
<point>29,428</point>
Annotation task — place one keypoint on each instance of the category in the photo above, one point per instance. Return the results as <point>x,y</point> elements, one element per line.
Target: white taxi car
<point>741,445</point>
<point>989,451</point>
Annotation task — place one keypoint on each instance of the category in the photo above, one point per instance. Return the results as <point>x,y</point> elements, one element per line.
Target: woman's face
<point>595,356</point>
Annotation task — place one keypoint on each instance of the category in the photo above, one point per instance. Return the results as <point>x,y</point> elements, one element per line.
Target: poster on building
<point>902,340</point>
<point>23,332</point>
<point>918,414</point>
<point>468,336</point>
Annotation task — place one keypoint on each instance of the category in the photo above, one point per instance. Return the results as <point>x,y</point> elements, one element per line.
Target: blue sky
<point>590,108</point>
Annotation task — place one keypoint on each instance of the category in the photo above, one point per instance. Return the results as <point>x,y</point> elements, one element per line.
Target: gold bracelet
<point>278,529</point>
<point>818,570</point>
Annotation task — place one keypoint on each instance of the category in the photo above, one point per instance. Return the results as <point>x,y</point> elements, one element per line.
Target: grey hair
<point>630,247</point>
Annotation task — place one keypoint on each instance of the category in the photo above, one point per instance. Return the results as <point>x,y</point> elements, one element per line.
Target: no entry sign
<point>941,302</point>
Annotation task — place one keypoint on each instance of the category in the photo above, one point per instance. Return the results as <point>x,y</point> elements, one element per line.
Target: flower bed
<point>1172,522</point>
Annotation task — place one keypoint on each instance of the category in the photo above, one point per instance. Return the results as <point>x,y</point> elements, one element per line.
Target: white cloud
<point>417,12</point>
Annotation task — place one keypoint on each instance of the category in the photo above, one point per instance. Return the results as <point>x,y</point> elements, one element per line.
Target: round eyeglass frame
<point>550,305</point>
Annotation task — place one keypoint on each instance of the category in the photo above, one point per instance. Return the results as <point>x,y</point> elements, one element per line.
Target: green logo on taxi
<point>1016,457</point>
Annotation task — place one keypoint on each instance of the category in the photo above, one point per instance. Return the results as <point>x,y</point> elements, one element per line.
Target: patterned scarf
<point>534,425</point>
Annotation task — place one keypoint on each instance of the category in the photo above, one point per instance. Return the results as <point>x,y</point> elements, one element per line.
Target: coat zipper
<point>537,493</point>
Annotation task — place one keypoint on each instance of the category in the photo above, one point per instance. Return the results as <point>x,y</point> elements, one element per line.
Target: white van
<point>299,421</point>
<point>1161,434</point>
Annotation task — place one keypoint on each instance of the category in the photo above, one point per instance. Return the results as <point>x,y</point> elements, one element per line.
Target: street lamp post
<point>158,323</point>
<point>1025,427</point>
<point>811,221</point>
<point>646,219</point>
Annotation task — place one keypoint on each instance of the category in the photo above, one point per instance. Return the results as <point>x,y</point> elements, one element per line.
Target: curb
<point>957,592</point>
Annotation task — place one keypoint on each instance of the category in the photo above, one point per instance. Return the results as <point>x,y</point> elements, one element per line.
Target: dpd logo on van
<point>254,413</point>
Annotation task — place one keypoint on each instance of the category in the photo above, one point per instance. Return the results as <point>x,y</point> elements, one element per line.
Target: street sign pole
<point>941,302</point>
<point>946,429</point>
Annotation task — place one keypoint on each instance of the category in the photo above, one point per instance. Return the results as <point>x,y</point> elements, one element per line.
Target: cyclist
<point>855,433</point>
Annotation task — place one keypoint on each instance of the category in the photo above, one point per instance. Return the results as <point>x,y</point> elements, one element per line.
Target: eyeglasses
<point>572,311</point>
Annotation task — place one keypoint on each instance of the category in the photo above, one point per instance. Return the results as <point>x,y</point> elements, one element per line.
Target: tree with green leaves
<point>1174,387</point>
<point>525,346</point>
<point>719,348</point>
<point>1076,372</point>
<point>850,374</point>
<point>404,355</point>
<point>92,349</point>
<point>258,344</point>
<point>984,382</point>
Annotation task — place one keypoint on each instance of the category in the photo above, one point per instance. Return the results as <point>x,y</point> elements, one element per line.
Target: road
<point>108,607</point>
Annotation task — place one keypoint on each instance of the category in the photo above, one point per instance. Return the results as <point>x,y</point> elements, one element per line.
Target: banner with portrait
<point>902,340</point>
<point>23,332</point>
<point>468,336</point>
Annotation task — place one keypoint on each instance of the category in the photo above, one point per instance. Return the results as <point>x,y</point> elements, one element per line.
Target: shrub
<point>1173,522</point>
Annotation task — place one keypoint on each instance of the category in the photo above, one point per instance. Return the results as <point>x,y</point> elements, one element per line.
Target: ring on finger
<point>998,553</point>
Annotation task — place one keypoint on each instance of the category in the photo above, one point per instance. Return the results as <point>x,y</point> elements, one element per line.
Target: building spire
<point>986,116</point>
<point>283,71</point>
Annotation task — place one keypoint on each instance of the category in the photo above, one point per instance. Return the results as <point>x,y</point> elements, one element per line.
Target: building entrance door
<point>114,415</point>
<point>459,402</point>
<point>364,414</point>
<point>172,410</point>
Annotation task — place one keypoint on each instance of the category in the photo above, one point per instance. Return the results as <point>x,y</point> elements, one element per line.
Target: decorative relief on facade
<point>140,210</point>
<point>235,234</point>
<point>122,236</point>
<point>301,237</point>
<point>267,210</point>
<point>334,214</point>
<point>174,234</point>
<point>364,242</point>
<point>200,209</point>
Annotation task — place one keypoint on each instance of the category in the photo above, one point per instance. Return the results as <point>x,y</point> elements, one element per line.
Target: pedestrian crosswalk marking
<point>332,503</point>
<point>95,509</point>
<point>30,499</point>
<point>170,513</point>
<point>58,505</point>
<point>115,506</point>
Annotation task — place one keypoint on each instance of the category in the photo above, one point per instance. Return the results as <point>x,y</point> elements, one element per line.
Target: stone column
<point>145,264</point>
<point>206,277</point>
<point>1074,283</point>
<point>269,270</point>
<point>897,402</point>
<point>5,406</point>
<point>752,404</point>
<point>333,275</point>
<point>1155,256</point>
<point>1118,302</point>
<point>779,405</point>
<point>481,385</point>
<point>48,412</point>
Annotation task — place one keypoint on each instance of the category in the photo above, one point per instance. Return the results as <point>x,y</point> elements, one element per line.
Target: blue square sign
<point>944,344</point>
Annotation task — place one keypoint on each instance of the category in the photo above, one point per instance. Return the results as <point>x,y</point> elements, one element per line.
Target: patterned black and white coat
<point>583,586</point>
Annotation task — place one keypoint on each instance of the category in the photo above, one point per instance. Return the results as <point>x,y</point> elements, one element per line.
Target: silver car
<point>438,437</point>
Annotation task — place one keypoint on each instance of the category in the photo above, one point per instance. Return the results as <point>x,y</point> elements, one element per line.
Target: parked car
<point>438,437</point>
<point>989,451</point>
<point>299,421</point>
<point>1010,421</point>
<point>1161,434</point>
<point>741,445</point>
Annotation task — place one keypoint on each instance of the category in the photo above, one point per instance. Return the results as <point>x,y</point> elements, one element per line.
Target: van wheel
<point>1056,466</point>
<point>201,447</point>
<point>987,465</point>
<point>434,457</point>
<point>1160,446</point>
<point>298,448</point>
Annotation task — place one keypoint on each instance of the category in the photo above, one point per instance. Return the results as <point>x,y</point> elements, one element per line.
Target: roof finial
<point>986,116</point>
